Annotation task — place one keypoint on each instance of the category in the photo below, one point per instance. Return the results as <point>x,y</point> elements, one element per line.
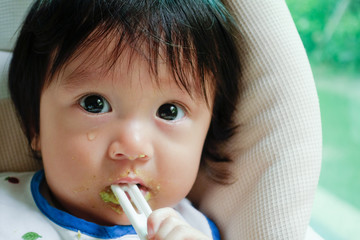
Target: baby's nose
<point>132,141</point>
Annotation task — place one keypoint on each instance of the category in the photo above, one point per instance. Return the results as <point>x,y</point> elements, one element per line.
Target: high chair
<point>279,143</point>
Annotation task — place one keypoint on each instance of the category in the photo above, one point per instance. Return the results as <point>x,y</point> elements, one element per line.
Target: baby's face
<point>100,127</point>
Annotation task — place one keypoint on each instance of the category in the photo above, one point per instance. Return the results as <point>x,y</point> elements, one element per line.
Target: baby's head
<point>125,91</point>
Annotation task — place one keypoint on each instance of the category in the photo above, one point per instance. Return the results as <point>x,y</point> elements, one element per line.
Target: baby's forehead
<point>98,63</point>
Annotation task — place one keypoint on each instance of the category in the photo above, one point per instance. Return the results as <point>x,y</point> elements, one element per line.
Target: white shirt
<point>26,214</point>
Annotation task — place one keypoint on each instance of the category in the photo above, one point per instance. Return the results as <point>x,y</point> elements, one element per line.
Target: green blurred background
<point>330,31</point>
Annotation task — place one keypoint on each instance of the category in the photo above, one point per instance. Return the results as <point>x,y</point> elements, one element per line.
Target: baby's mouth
<point>108,196</point>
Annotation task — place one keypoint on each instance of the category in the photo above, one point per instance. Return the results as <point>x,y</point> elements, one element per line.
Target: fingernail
<point>150,232</point>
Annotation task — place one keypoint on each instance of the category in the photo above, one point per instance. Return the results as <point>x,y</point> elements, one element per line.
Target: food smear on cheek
<point>81,189</point>
<point>85,186</point>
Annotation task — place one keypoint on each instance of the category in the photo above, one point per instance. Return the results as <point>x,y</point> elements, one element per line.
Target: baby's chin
<point>109,216</point>
<point>118,219</point>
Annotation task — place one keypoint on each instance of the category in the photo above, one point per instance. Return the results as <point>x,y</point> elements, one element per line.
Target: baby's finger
<point>157,217</point>
<point>168,225</point>
<point>182,232</point>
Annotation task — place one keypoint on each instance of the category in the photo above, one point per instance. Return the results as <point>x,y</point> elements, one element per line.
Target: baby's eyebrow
<point>78,78</point>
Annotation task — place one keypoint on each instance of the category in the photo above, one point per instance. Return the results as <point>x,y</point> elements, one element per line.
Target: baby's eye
<point>170,112</point>
<point>95,104</point>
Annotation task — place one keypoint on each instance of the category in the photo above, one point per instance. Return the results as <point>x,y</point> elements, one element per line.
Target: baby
<point>116,92</point>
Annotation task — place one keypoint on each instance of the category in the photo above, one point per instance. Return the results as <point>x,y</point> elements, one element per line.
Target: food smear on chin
<point>118,209</point>
<point>108,197</point>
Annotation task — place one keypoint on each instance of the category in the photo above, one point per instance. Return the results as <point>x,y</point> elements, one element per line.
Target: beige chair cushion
<point>278,147</point>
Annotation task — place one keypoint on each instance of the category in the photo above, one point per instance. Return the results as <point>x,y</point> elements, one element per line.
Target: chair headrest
<point>277,148</point>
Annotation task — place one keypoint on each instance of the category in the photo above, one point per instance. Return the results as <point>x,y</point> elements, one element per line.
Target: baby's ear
<point>35,143</point>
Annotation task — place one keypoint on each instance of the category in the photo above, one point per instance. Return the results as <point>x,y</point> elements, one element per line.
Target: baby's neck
<point>49,196</point>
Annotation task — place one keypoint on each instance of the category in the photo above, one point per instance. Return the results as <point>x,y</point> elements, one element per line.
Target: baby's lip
<point>128,180</point>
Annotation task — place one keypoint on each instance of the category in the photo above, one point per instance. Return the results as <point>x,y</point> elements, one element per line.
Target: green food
<point>147,196</point>
<point>108,196</point>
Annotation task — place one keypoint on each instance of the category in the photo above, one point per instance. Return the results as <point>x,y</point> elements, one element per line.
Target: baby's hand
<point>166,224</point>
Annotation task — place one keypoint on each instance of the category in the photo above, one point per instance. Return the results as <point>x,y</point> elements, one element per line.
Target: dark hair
<point>197,36</point>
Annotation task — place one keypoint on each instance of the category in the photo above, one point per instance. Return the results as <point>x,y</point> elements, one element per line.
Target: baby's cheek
<point>168,196</point>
